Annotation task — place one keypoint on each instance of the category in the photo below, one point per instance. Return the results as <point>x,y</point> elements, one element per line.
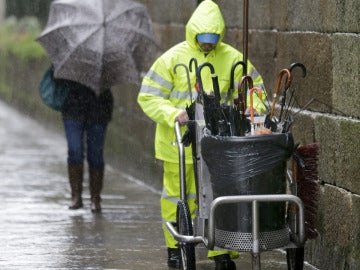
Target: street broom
<point>305,172</point>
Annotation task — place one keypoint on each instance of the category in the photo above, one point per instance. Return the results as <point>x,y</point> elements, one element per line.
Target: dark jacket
<point>82,104</point>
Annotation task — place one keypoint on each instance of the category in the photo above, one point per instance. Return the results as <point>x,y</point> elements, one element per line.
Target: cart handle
<point>254,199</point>
<point>181,161</point>
<point>184,238</point>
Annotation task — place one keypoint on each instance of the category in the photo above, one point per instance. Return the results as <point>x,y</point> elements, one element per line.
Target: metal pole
<point>184,238</point>
<point>182,170</point>
<point>255,232</point>
<point>245,34</point>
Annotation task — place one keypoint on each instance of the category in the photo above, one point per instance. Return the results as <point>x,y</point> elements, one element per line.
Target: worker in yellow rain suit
<point>164,96</point>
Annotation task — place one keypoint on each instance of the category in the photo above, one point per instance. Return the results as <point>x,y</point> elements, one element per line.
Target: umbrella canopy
<point>99,43</point>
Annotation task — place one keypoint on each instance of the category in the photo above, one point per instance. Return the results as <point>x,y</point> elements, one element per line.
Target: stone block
<point>340,16</point>
<point>304,15</point>
<point>262,49</point>
<point>303,128</point>
<point>170,12</point>
<point>328,14</point>
<point>258,53</point>
<point>337,246</point>
<point>264,15</point>
<point>323,16</point>
<point>346,65</point>
<point>351,17</point>
<point>314,51</point>
<point>339,151</point>
<point>258,14</point>
<point>232,12</point>
<point>169,35</point>
<point>354,256</point>
<point>278,12</point>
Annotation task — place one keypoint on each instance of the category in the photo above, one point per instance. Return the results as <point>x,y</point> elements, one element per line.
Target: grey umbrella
<point>99,43</point>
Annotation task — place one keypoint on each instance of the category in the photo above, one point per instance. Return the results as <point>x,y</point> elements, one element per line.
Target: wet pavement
<point>37,231</point>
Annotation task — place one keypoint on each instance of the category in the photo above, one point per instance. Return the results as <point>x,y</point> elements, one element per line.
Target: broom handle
<point>245,34</point>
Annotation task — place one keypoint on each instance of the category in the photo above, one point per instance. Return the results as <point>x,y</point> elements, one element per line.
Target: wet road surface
<point>37,231</point>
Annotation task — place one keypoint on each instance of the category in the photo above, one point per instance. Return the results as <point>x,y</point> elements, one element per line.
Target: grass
<point>18,37</point>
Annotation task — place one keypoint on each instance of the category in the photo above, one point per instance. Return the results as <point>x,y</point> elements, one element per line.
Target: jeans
<point>75,132</point>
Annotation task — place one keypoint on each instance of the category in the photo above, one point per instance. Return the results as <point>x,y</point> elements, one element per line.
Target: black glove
<point>191,111</point>
<point>189,135</point>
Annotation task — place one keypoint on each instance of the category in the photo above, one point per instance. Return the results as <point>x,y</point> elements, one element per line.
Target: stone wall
<point>321,34</point>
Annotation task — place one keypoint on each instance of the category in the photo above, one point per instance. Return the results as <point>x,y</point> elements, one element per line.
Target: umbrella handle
<point>277,87</point>
<point>241,104</point>
<point>187,77</point>
<point>303,68</point>
<point>252,90</point>
<point>197,84</point>
<point>292,66</point>
<point>245,83</point>
<point>193,60</point>
<point>232,75</point>
<point>198,75</point>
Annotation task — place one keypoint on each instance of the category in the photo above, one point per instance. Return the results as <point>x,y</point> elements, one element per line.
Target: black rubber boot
<point>223,262</point>
<point>174,258</point>
<point>96,185</point>
<point>75,172</point>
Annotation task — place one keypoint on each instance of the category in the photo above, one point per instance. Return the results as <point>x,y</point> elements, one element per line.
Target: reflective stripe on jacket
<point>164,94</point>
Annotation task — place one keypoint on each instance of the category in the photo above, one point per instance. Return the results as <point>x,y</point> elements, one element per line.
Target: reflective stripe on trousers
<point>171,195</point>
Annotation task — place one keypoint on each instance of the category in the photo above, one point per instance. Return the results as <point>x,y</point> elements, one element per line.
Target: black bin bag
<point>248,165</point>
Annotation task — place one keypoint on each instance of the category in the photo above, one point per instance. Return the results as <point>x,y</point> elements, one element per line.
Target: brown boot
<point>96,185</point>
<point>76,178</point>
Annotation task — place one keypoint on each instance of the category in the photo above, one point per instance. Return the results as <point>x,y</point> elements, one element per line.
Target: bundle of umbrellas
<point>99,43</point>
<point>285,119</point>
<point>229,118</point>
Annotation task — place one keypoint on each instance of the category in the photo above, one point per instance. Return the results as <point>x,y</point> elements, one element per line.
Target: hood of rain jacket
<point>207,18</point>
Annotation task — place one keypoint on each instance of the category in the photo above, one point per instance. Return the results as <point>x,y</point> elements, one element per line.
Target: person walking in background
<point>164,96</point>
<point>81,52</point>
<point>86,116</point>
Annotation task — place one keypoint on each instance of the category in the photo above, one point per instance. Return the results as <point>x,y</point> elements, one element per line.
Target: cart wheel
<point>295,258</point>
<point>183,220</point>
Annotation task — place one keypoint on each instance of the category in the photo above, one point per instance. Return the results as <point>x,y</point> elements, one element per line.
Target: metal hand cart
<point>237,212</point>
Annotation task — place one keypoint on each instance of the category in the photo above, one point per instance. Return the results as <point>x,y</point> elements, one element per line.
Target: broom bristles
<point>308,187</point>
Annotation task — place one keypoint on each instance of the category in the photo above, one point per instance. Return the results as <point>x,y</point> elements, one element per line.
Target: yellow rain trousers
<point>170,196</point>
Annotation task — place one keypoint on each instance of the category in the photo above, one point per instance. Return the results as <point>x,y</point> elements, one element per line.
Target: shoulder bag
<point>52,92</point>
